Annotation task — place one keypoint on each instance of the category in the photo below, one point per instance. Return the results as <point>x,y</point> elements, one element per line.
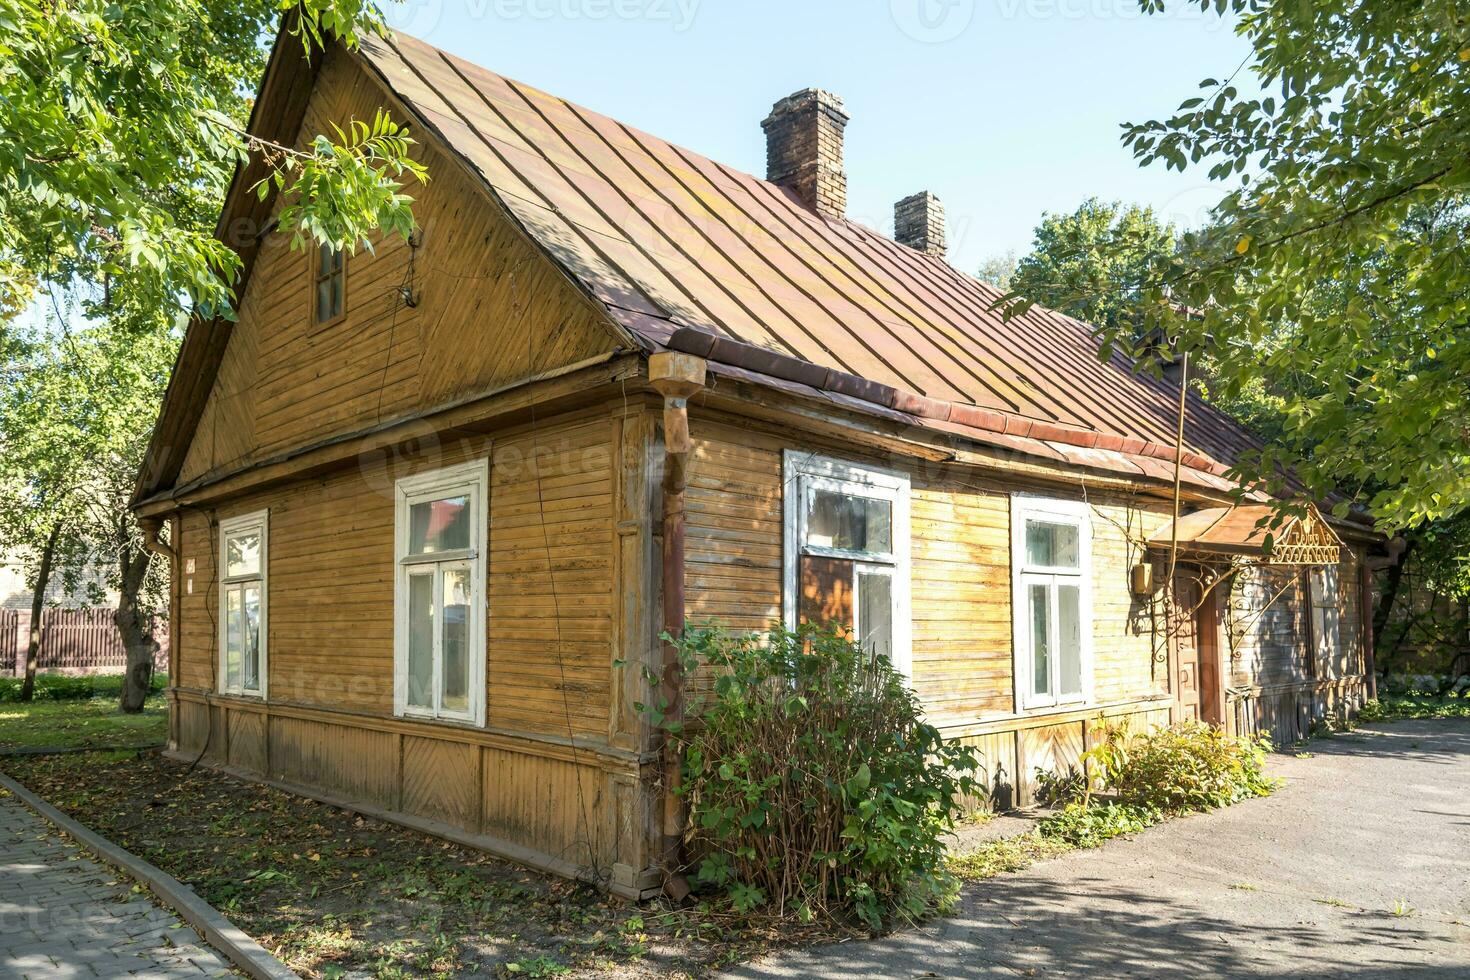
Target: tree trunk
<point>1393,581</point>
<point>38,605</point>
<point>136,627</point>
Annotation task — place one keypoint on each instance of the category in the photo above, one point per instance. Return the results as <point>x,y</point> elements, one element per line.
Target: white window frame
<point>1025,507</point>
<point>805,472</point>
<point>472,478</point>
<point>258,521</point>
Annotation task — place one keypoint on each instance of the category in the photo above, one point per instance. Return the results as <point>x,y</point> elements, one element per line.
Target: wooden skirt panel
<point>1012,756</point>
<point>570,810</point>
<point>1288,712</point>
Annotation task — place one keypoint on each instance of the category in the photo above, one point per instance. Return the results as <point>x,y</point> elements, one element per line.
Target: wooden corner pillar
<point>676,377</point>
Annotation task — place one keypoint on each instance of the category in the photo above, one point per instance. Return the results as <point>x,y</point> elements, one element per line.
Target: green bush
<point>59,687</point>
<point>1185,767</point>
<point>1084,825</point>
<point>1415,705</point>
<point>814,788</point>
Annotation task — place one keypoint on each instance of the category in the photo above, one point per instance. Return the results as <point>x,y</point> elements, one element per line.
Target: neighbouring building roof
<point>688,253</point>
<point>1246,530</point>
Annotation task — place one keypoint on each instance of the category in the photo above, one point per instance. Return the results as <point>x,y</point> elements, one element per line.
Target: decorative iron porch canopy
<point>1242,532</point>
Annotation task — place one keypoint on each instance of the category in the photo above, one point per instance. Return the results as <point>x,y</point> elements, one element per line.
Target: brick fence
<point>73,641</point>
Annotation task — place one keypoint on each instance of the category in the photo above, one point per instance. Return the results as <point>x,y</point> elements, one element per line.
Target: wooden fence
<point>73,641</point>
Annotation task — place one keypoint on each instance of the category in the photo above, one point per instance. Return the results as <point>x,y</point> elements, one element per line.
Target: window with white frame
<point>1051,599</point>
<point>244,545</point>
<point>439,595</point>
<point>847,552</point>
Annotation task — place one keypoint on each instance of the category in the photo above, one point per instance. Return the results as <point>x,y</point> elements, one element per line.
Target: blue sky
<point>1004,108</point>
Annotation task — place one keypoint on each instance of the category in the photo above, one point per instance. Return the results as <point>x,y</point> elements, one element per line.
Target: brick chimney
<point>918,222</point>
<point>804,149</point>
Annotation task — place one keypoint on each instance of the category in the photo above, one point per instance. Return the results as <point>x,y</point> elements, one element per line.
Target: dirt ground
<point>335,895</point>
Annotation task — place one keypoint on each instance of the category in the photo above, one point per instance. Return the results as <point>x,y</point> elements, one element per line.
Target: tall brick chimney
<point>804,149</point>
<point>918,222</point>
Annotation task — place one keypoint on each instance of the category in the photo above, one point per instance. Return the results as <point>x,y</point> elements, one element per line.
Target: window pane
<point>327,258</point>
<point>1040,640</point>
<point>242,554</point>
<point>1051,545</point>
<point>421,641</point>
<point>336,303</point>
<point>251,651</point>
<point>875,611</point>
<point>456,666</point>
<point>436,526</point>
<point>840,520</point>
<point>1069,639</point>
<point>234,637</point>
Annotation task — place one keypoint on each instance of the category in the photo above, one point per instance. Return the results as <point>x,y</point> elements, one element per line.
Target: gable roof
<point>685,253</point>
<point>690,254</point>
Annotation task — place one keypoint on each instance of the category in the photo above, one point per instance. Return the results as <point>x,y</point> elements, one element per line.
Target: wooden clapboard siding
<point>960,569</point>
<point>542,781</point>
<point>1267,626</point>
<point>1273,686</point>
<point>1128,651</point>
<point>331,574</point>
<point>551,579</point>
<point>960,590</point>
<point>490,310</point>
<point>732,545</point>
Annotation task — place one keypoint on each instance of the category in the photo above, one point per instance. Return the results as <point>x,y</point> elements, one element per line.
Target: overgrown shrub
<point>1185,767</point>
<point>1088,825</point>
<point>1415,705</point>
<point>814,788</point>
<point>60,687</point>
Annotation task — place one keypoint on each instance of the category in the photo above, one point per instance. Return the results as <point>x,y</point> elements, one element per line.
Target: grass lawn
<point>329,892</point>
<point>77,713</point>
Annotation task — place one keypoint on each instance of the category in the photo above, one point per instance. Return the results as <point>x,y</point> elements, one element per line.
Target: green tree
<point>1089,264</point>
<point>121,126</point>
<point>43,468</point>
<point>998,270</point>
<point>1337,259</point>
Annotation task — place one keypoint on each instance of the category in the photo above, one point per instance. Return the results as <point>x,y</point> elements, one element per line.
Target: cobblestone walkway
<point>64,915</point>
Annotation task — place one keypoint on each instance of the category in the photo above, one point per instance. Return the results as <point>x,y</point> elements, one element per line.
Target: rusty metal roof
<point>676,245</point>
<point>1297,539</point>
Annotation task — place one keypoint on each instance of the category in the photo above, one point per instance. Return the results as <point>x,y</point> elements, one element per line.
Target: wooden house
<point>430,505</point>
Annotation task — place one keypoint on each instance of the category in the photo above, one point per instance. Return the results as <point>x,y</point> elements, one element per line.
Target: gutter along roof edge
<point>1040,439</point>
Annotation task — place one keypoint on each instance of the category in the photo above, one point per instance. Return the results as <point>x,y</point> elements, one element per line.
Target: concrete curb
<point>79,749</point>
<point>242,951</point>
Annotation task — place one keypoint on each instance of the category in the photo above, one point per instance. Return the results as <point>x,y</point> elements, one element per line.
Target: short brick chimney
<point>804,149</point>
<point>918,222</point>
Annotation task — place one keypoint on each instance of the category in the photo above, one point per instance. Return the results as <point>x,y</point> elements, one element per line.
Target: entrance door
<point>1184,630</point>
<point>1199,685</point>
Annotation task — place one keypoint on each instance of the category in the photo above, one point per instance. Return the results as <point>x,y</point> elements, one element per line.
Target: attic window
<point>330,283</point>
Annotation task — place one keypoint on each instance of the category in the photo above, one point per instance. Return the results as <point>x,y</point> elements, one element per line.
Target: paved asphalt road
<point>1303,884</point>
